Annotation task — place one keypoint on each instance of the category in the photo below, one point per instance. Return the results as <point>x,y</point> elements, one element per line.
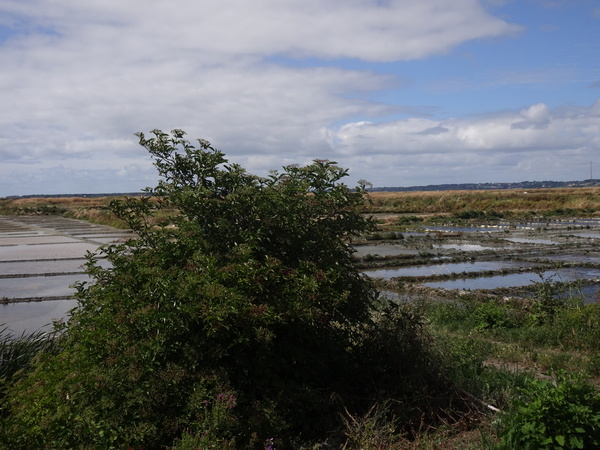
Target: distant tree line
<point>489,186</point>
<point>429,187</point>
<point>114,194</point>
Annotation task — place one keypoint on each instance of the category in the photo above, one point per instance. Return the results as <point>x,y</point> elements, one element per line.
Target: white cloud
<point>79,77</point>
<point>557,143</point>
<point>365,29</point>
<point>536,116</point>
<point>564,128</point>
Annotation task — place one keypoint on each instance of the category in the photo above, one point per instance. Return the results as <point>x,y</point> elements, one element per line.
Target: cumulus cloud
<point>532,143</point>
<point>536,116</point>
<point>80,77</point>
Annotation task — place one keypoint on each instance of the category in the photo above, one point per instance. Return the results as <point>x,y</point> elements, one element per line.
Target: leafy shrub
<point>562,413</point>
<point>235,287</point>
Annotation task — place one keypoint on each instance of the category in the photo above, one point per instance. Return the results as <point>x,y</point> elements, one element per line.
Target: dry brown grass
<point>91,209</point>
<point>63,202</point>
<point>584,200</point>
<point>557,201</point>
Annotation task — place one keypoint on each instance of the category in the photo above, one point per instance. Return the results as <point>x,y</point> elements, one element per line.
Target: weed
<point>408,220</point>
<point>560,413</point>
<point>375,430</point>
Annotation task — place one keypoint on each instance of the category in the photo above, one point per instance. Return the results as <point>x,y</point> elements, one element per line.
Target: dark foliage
<point>234,317</point>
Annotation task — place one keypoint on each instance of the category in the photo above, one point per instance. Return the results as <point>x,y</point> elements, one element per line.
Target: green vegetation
<point>410,208</point>
<point>553,333</point>
<point>555,317</point>
<point>562,413</point>
<point>234,319</point>
<point>17,354</point>
<point>237,318</point>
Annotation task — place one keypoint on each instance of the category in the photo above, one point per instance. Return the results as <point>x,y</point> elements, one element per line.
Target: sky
<point>400,92</point>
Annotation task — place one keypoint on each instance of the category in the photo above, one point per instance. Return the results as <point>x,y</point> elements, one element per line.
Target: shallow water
<point>580,222</point>
<point>588,258</point>
<point>462,247</point>
<point>35,287</point>
<point>516,279</point>
<point>50,251</point>
<point>587,235</point>
<point>450,229</point>
<point>36,246</point>
<point>29,317</point>
<point>35,240</point>
<point>450,268</point>
<point>45,267</point>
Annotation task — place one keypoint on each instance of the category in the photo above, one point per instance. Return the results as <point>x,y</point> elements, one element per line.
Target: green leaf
<point>576,442</point>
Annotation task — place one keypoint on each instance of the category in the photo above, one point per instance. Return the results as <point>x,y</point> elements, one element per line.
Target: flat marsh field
<point>513,201</point>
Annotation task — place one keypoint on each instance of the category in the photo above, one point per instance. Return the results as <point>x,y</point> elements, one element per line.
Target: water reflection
<point>462,247</point>
<point>29,317</point>
<point>451,229</point>
<point>450,268</point>
<point>516,279</point>
<point>34,287</point>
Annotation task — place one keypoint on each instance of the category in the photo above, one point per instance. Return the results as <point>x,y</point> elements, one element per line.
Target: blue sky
<point>402,93</point>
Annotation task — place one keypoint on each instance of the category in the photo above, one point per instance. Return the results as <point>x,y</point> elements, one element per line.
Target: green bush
<point>236,287</point>
<point>491,315</point>
<point>562,413</point>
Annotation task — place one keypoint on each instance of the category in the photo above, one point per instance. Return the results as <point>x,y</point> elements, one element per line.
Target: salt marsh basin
<point>509,259</point>
<point>41,258</point>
